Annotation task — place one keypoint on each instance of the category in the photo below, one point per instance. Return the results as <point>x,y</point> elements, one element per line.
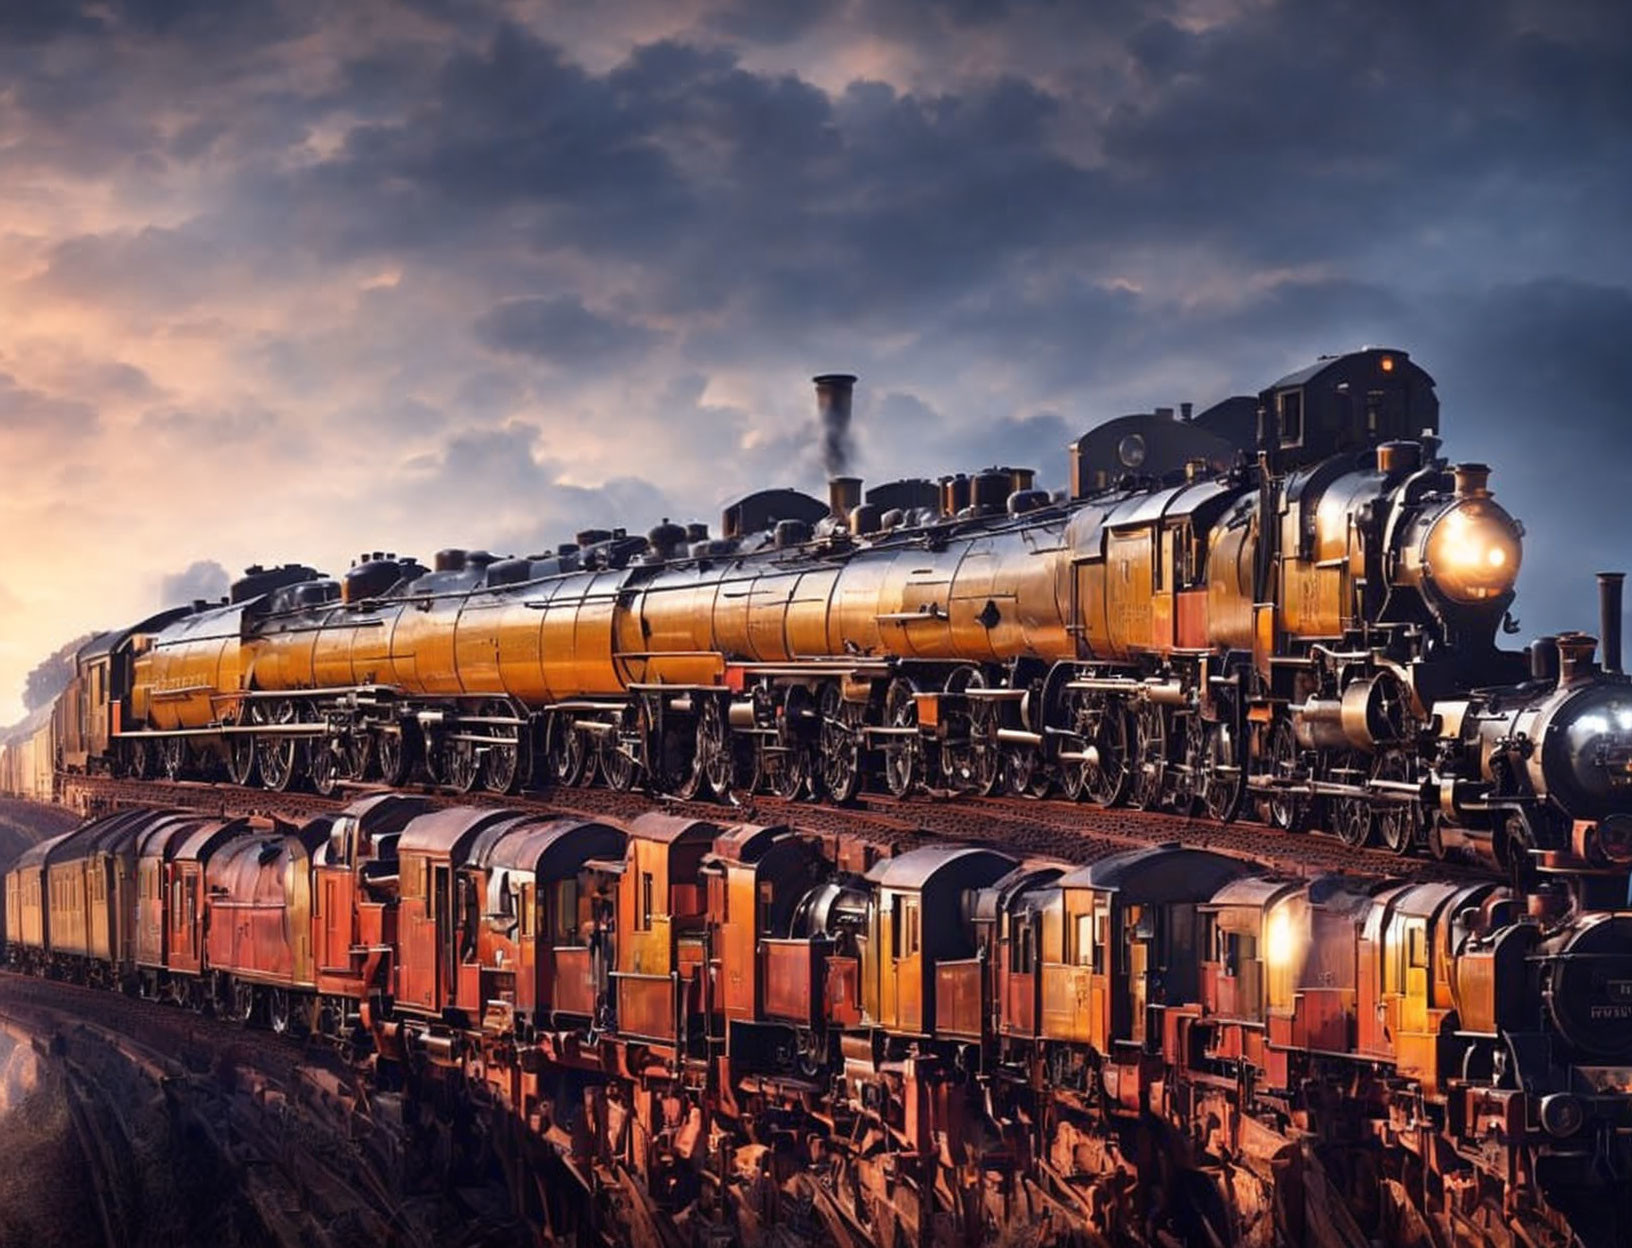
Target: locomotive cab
<point>1121,945</point>
<point>921,970</point>
<point>658,967</point>
<point>436,905</point>
<point>1345,403</point>
<point>755,878</point>
<point>354,898</point>
<point>536,950</point>
<point>157,848</point>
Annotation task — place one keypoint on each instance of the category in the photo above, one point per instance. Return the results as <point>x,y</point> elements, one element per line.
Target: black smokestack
<point>1609,618</point>
<point>833,391</point>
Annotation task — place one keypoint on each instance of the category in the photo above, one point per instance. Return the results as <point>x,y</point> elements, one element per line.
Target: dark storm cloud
<point>1537,382</point>
<point>203,578</point>
<point>529,508</point>
<point>560,330</point>
<point>414,223</point>
<point>30,21</point>
<point>771,21</point>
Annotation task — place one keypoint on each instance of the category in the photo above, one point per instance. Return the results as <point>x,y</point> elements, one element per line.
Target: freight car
<point>1304,621</point>
<point>952,1001</point>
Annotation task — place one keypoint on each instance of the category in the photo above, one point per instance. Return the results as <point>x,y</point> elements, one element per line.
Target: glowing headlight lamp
<point>1473,551</point>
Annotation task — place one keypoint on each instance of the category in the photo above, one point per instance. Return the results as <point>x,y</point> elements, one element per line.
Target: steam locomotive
<point>951,1004</point>
<point>1288,603</point>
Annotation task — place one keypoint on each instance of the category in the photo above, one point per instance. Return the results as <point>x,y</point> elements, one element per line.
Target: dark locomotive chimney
<point>1472,480</point>
<point>1575,658</point>
<point>843,497</point>
<point>1186,410</point>
<point>1544,660</point>
<point>833,394</point>
<point>1609,619</point>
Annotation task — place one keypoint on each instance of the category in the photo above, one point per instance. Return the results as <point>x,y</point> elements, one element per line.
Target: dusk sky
<point>293,280</point>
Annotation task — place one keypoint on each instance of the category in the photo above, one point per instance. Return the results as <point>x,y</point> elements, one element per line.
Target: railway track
<point>1053,828</point>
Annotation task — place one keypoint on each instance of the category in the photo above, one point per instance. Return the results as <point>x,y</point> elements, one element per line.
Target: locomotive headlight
<point>1561,1114</point>
<point>1281,943</point>
<point>1472,551</point>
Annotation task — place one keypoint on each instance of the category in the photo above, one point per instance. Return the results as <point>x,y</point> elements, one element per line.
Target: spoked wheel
<point>973,765</point>
<point>325,765</point>
<point>679,765</point>
<point>988,754</point>
<point>143,758</point>
<point>396,745</point>
<point>1149,756</point>
<point>277,754</point>
<point>1184,794</point>
<point>902,751</point>
<point>566,750</point>
<point>840,744</point>
<point>716,753</point>
<point>1109,779</point>
<point>1076,716</point>
<point>1023,772</point>
<point>1223,778</point>
<point>1398,823</point>
<point>240,758</point>
<point>618,765</point>
<point>243,1002</point>
<point>458,764</point>
<point>1287,810</point>
<point>508,759</point>
<point>785,770</point>
<point>173,757</point>
<point>1352,821</point>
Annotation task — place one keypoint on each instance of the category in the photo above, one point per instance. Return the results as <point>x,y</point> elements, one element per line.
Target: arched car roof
<point>916,868</point>
<point>550,848</point>
<point>1168,872</point>
<point>449,832</point>
<point>672,829</point>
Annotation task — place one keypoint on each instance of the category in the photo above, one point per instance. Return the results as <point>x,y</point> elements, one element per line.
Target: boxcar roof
<point>672,829</point>
<point>1158,873</point>
<point>917,867</point>
<point>448,832</point>
<point>747,842</point>
<point>550,848</point>
<point>165,838</point>
<point>89,837</point>
<point>1251,890</point>
<point>203,839</point>
<point>35,855</point>
<point>116,836</point>
<point>1028,877</point>
<point>381,809</point>
<point>481,848</point>
<point>98,645</point>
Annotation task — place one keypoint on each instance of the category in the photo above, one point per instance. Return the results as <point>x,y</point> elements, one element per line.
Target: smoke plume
<point>836,440</point>
<point>833,394</point>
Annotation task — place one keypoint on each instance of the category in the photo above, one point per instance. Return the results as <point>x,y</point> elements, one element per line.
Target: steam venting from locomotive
<point>833,395</point>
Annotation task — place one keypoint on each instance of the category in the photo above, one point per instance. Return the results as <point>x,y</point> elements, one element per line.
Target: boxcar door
<point>910,986</point>
<point>442,931</point>
<point>1136,929</point>
<point>416,977</point>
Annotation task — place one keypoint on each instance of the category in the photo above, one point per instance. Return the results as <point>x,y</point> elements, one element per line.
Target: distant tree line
<point>51,676</point>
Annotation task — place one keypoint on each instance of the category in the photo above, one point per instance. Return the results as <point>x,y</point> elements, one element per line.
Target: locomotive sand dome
<point>1289,603</point>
